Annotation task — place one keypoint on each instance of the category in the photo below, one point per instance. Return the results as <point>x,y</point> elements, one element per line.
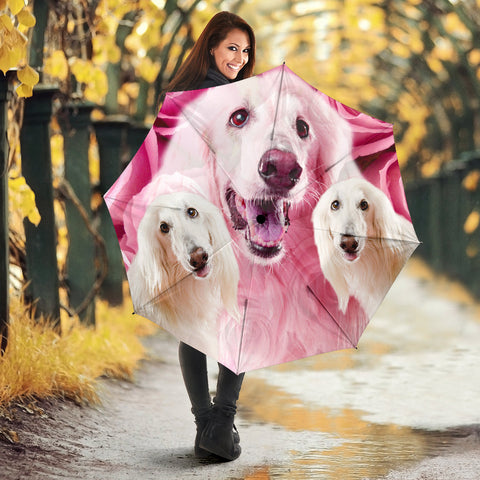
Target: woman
<point>224,52</point>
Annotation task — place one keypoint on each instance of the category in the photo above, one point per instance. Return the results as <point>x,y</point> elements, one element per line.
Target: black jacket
<point>213,79</point>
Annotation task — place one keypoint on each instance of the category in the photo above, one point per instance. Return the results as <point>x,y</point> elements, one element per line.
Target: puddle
<point>394,402</point>
<point>365,450</point>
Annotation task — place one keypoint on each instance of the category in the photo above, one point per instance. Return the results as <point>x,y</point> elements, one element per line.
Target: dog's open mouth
<point>265,222</point>
<point>351,257</point>
<point>202,272</point>
<point>349,246</point>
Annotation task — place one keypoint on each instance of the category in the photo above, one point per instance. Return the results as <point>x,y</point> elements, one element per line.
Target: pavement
<point>404,406</point>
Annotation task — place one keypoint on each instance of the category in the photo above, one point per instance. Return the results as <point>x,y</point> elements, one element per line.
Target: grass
<point>39,363</point>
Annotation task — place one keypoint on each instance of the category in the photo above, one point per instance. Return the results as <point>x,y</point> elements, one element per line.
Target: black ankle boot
<point>201,420</point>
<point>220,435</point>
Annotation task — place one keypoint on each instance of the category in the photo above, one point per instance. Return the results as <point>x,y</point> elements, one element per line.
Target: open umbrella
<point>262,221</point>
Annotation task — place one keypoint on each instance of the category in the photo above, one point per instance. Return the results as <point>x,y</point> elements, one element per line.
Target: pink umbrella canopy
<point>262,221</point>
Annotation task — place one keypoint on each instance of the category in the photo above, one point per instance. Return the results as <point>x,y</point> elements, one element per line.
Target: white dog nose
<point>279,170</point>
<point>198,258</point>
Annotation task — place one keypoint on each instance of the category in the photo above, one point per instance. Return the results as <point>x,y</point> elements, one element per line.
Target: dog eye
<point>239,118</point>
<point>335,205</point>
<point>192,213</point>
<point>363,205</point>
<point>164,227</point>
<point>302,128</point>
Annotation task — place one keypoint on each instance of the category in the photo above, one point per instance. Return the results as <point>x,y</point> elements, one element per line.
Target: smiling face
<point>232,53</point>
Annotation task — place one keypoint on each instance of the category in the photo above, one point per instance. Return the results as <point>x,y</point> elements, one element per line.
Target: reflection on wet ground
<point>401,398</point>
<point>368,450</point>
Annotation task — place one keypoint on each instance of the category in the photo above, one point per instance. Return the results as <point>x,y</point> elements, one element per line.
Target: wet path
<point>409,394</point>
<point>411,391</point>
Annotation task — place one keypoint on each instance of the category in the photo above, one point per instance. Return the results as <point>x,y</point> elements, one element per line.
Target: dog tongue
<point>266,222</point>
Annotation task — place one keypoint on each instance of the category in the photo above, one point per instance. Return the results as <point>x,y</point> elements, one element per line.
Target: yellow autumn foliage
<point>471,181</point>
<point>56,65</point>
<point>15,19</point>
<point>26,18</point>
<point>148,70</point>
<point>105,49</point>
<point>472,222</point>
<point>28,75</point>
<point>15,6</point>
<point>40,363</point>
<point>6,22</point>
<point>94,78</point>
<point>22,199</point>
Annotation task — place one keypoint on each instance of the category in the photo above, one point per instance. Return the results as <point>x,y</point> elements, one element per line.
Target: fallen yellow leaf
<point>10,435</point>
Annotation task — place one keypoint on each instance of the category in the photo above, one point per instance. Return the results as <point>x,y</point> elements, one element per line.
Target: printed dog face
<point>178,232</point>
<point>349,210</point>
<point>362,242</point>
<point>264,151</point>
<point>184,274</point>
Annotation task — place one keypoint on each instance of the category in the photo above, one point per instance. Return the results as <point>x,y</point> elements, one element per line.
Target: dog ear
<point>391,228</point>
<point>148,271</point>
<point>332,269</point>
<point>321,229</point>
<point>225,270</point>
<point>334,140</point>
<point>385,220</point>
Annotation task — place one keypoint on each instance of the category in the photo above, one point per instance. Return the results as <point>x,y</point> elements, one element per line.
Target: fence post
<point>435,203</point>
<point>451,219</point>
<point>472,239</point>
<point>137,133</point>
<point>418,199</point>
<point>74,120</point>
<point>40,241</point>
<point>111,138</point>
<point>5,93</point>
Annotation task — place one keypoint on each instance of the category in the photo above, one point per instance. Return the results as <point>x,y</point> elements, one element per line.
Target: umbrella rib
<point>388,239</point>
<point>332,317</point>
<point>163,292</point>
<point>278,103</point>
<point>156,297</point>
<point>241,336</point>
<point>186,108</point>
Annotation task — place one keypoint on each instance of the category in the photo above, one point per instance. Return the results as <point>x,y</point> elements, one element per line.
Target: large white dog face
<point>263,152</point>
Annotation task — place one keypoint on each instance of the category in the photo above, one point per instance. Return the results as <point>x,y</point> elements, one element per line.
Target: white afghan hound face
<point>354,210</point>
<point>360,240</point>
<point>349,209</point>
<point>183,236</point>
<point>264,150</point>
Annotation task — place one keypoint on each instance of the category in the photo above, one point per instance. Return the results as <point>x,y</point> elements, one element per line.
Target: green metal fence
<point>94,264</point>
<point>445,210</point>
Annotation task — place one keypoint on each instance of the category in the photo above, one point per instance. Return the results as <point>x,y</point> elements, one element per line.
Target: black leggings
<point>194,370</point>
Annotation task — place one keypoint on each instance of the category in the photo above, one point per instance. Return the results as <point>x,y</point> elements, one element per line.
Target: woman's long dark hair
<point>194,69</point>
